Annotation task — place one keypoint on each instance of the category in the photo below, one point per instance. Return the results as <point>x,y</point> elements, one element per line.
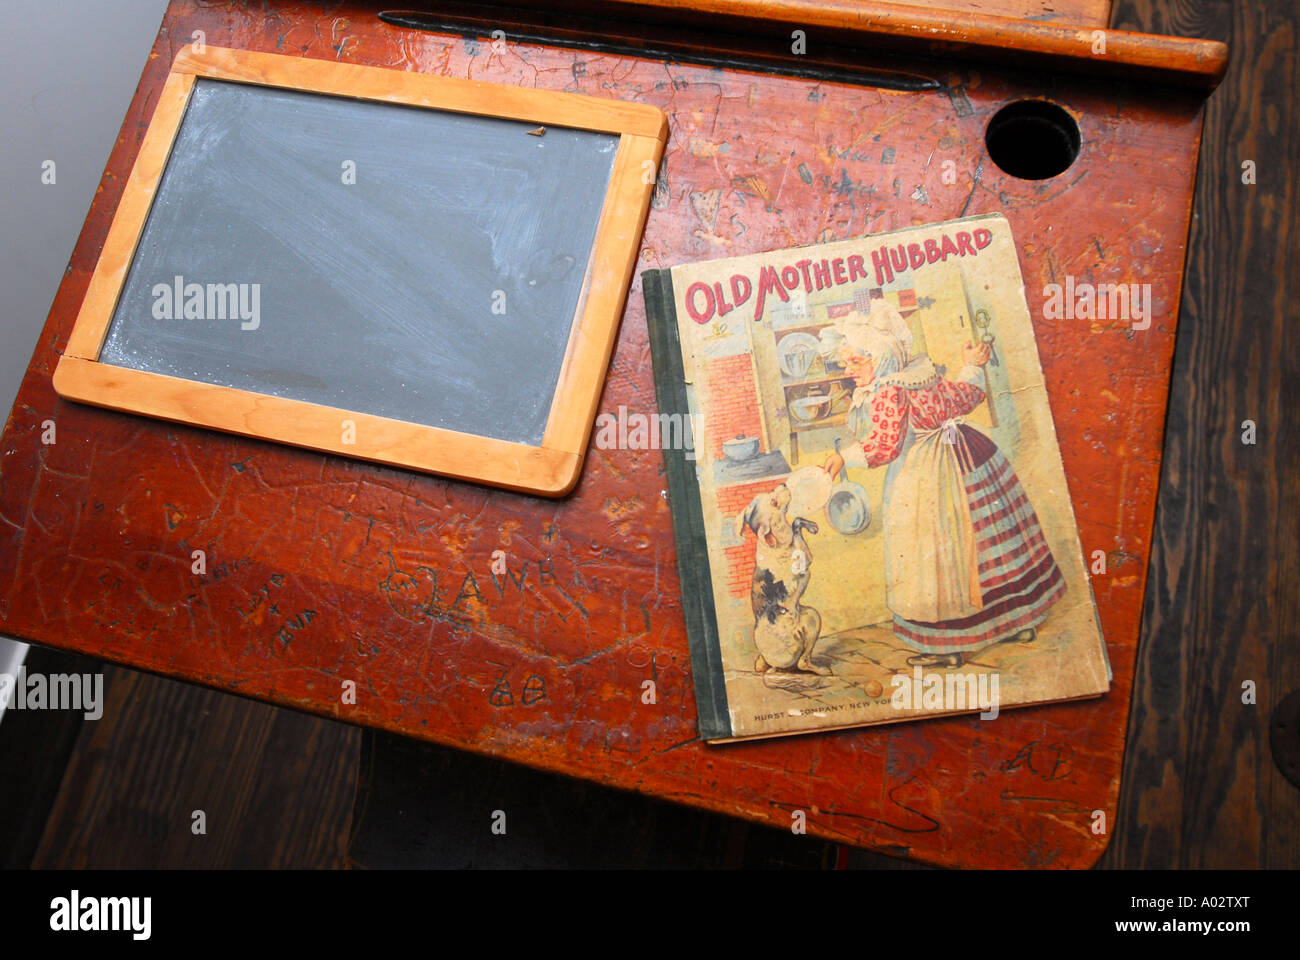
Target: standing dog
<point>785,630</point>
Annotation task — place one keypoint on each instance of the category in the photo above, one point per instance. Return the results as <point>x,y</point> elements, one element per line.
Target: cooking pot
<point>741,448</point>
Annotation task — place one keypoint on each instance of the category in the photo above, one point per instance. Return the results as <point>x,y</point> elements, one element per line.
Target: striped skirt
<point>1019,578</point>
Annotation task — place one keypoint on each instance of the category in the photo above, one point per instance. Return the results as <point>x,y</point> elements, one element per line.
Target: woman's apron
<point>931,566</point>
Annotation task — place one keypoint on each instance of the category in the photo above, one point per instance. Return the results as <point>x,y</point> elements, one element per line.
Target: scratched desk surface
<point>322,572</point>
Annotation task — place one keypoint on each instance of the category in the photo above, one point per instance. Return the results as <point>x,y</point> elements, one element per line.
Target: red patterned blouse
<point>927,408</point>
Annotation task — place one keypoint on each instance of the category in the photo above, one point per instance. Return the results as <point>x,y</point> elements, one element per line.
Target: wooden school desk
<point>325,572</point>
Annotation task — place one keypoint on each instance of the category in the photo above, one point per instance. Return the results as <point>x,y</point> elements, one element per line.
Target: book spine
<point>687,511</point>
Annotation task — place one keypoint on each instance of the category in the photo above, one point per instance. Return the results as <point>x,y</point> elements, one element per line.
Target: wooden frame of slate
<point>550,467</point>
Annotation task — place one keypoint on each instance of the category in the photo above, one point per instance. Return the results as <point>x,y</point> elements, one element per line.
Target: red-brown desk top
<point>322,571</point>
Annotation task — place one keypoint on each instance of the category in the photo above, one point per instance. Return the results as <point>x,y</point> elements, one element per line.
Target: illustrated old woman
<point>966,562</point>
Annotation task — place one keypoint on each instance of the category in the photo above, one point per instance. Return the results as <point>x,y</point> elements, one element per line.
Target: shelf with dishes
<point>817,403</point>
<point>816,390</point>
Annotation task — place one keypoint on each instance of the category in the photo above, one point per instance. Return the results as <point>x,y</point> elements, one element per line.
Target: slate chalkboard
<point>409,263</point>
<point>412,269</point>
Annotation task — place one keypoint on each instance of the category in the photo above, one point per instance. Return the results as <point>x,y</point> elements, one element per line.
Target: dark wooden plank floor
<point>1200,787</point>
<point>275,786</point>
<point>1223,599</point>
<point>420,806</point>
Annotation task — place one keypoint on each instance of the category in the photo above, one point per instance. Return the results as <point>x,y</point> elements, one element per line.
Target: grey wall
<point>67,75</point>
<point>66,78</point>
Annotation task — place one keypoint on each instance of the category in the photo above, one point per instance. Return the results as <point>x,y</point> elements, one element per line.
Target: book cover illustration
<point>874,523</point>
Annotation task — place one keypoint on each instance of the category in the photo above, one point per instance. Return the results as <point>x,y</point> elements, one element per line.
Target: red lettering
<point>739,281</point>
<point>880,261</point>
<point>768,282</point>
<point>856,268</point>
<point>700,316</point>
<point>822,274</point>
<point>915,255</point>
<point>837,268</point>
<point>949,248</point>
<point>898,257</point>
<point>983,238</point>
<point>724,308</point>
<point>932,251</point>
<point>790,277</point>
<point>807,283</point>
<point>963,244</point>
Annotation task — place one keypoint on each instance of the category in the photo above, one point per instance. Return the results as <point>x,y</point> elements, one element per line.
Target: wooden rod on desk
<point>1077,48</point>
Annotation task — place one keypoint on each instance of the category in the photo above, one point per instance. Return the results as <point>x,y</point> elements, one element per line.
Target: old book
<point>872,519</point>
